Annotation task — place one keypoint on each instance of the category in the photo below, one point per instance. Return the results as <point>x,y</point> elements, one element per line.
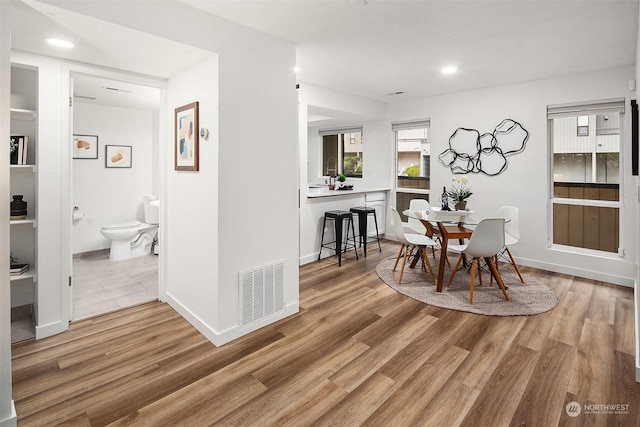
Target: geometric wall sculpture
<point>470,152</point>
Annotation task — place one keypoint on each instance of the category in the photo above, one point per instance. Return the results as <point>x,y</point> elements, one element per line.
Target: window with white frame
<point>342,152</point>
<point>586,174</point>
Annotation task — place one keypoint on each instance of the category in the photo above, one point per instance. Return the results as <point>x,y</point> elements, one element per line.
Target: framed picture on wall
<point>85,146</point>
<point>186,147</point>
<point>117,156</point>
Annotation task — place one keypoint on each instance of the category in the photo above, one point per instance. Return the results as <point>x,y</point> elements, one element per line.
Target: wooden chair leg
<point>496,273</point>
<point>474,262</point>
<point>513,261</point>
<point>453,273</point>
<point>398,258</point>
<point>404,262</point>
<point>426,257</point>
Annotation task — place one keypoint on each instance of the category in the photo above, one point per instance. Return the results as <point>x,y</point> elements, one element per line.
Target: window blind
<point>585,108</point>
<point>414,124</point>
<point>338,131</point>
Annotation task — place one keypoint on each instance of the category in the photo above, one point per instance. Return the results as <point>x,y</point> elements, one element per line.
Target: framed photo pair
<point>186,144</point>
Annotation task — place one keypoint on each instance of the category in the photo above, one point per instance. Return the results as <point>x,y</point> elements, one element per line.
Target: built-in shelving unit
<point>23,232</point>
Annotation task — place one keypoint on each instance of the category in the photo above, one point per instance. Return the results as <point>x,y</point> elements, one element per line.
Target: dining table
<point>448,225</point>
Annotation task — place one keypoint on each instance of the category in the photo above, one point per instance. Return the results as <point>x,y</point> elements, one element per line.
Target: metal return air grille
<point>261,292</point>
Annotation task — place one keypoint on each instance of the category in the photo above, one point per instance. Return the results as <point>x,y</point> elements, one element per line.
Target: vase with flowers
<point>459,192</point>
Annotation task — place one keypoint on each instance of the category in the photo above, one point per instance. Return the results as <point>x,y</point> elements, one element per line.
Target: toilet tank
<point>151,209</point>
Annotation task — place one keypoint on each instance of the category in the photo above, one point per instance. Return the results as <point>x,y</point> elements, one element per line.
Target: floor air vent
<point>261,292</point>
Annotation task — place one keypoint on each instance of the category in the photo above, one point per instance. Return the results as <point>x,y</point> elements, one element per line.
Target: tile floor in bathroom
<point>101,286</point>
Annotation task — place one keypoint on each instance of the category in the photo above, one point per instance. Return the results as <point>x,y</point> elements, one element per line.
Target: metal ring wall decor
<point>470,152</point>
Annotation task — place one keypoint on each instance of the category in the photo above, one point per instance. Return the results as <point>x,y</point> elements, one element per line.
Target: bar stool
<point>338,217</point>
<point>363,212</point>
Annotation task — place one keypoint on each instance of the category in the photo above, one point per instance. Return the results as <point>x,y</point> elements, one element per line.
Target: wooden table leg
<point>443,257</point>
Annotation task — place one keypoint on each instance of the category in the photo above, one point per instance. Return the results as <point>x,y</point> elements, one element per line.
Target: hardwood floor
<point>358,353</point>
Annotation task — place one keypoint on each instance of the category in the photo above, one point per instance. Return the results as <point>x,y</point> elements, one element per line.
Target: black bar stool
<point>363,212</point>
<point>338,217</point>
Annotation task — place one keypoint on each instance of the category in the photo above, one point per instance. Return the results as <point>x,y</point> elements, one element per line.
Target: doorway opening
<point>112,116</point>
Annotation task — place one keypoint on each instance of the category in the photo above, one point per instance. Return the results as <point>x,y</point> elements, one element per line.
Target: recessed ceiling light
<point>59,42</point>
<point>296,69</point>
<point>449,70</point>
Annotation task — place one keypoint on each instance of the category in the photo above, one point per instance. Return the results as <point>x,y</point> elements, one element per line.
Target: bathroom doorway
<point>111,115</point>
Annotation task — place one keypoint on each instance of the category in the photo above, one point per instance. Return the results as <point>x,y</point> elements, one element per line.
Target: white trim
<point>221,338</point>
<point>636,297</point>
<point>411,124</point>
<point>12,419</point>
<point>341,130</point>
<point>578,272</point>
<point>586,108</point>
<point>50,329</point>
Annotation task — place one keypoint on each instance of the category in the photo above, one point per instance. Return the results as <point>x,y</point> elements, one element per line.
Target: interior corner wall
<point>111,195</point>
<point>524,183</point>
<point>191,241</point>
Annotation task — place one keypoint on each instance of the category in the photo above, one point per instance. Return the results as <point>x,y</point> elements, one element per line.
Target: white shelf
<point>24,168</point>
<point>29,274</point>
<point>31,221</point>
<point>24,115</point>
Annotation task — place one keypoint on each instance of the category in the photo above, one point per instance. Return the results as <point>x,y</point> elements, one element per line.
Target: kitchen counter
<point>325,192</point>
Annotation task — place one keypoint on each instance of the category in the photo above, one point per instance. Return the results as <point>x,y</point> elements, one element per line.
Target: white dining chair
<point>511,235</point>
<point>409,242</point>
<point>420,206</point>
<point>485,243</point>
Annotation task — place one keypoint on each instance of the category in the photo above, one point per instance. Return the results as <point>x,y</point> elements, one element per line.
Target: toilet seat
<point>123,225</point>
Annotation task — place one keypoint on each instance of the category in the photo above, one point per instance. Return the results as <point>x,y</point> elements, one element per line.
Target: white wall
<point>257,198</point>
<point>111,195</point>
<point>525,181</point>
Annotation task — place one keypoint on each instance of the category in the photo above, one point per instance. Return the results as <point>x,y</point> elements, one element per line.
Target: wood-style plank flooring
<point>358,353</point>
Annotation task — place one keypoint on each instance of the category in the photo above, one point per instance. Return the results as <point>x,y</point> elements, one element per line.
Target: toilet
<point>133,239</point>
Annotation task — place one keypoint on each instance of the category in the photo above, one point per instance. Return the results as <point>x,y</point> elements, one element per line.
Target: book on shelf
<point>19,144</point>
<point>17,269</point>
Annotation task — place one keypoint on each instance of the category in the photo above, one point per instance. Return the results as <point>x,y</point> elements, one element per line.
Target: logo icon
<point>573,409</point>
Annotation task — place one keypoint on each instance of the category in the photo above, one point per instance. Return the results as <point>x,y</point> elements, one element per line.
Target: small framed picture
<point>85,146</point>
<point>117,156</point>
<point>186,138</point>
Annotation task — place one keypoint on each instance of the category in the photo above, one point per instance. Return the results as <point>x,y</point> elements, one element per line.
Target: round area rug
<point>525,299</point>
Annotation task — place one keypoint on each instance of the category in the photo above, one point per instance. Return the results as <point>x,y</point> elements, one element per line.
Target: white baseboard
<point>221,338</point>
<point>44,331</point>
<point>587,274</point>
<point>12,419</point>
<point>636,297</point>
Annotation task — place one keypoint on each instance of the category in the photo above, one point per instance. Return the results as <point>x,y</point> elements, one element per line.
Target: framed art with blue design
<point>186,138</point>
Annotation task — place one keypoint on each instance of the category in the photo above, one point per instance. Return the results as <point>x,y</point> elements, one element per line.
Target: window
<point>413,161</point>
<point>342,152</point>
<point>583,126</point>
<point>586,174</point>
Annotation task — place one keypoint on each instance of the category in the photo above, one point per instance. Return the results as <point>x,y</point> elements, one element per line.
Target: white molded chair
<point>486,242</point>
<point>511,233</point>
<point>421,205</point>
<point>418,205</point>
<point>410,241</point>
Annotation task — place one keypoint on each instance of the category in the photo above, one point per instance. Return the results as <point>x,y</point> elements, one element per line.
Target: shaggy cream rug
<point>525,299</point>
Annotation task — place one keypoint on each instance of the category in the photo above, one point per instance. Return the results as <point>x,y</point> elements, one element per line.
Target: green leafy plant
<point>413,170</point>
<point>341,177</point>
<point>459,191</point>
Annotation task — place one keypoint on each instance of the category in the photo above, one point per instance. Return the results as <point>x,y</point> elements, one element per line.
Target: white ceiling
<point>376,49</point>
